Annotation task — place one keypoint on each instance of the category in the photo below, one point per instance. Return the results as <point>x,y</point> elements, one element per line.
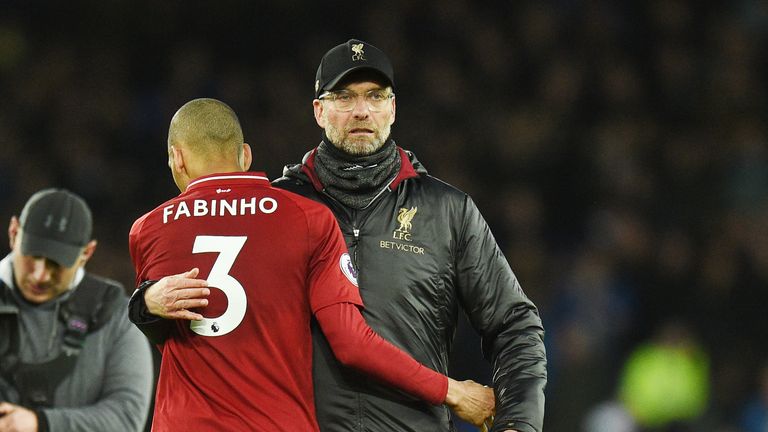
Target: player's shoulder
<point>144,219</point>
<point>138,224</point>
<point>304,204</point>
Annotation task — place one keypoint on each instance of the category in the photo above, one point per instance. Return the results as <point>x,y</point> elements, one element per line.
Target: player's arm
<point>356,345</point>
<point>155,304</point>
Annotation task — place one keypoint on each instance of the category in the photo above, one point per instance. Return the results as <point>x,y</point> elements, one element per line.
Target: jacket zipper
<point>356,233</point>
<point>352,222</point>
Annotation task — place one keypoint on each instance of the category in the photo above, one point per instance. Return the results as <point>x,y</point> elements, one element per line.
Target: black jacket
<point>423,252</point>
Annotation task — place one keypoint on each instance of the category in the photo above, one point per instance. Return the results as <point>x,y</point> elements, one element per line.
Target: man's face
<point>40,279</point>
<point>359,131</point>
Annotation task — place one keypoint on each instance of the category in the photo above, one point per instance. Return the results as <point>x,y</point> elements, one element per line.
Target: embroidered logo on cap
<point>359,54</point>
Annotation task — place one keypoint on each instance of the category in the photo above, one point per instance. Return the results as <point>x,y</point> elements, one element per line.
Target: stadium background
<point>617,149</point>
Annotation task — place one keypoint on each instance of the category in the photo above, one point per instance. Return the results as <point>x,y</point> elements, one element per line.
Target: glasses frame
<point>332,96</point>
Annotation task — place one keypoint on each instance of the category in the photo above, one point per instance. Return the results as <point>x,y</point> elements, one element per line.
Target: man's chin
<point>36,296</point>
<point>360,147</point>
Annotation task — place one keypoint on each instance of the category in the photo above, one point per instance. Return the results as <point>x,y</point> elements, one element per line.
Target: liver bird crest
<point>404,216</point>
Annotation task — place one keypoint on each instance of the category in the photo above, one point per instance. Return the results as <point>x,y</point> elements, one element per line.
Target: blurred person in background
<point>665,382</point>
<point>609,416</point>
<point>69,358</point>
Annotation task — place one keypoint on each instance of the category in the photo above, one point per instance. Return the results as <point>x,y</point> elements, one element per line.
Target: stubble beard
<point>357,146</point>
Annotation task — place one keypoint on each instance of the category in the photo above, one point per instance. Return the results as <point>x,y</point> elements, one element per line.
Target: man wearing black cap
<point>422,251</point>
<point>274,260</point>
<point>70,359</point>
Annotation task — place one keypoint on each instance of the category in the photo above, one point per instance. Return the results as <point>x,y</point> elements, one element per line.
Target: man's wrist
<point>452,395</point>
<point>142,288</point>
<point>137,306</point>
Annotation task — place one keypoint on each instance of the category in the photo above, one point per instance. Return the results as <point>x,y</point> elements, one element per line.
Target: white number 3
<point>228,248</point>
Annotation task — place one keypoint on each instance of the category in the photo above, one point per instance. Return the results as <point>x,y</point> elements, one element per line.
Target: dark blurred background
<point>617,149</point>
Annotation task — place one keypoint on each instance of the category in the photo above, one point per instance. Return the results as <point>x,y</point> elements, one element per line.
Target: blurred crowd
<point>619,151</point>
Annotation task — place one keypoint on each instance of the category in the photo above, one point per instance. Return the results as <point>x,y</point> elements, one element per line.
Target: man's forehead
<point>361,77</point>
<point>362,86</point>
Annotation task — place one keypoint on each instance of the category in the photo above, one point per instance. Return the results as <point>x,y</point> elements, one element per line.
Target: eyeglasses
<point>345,100</point>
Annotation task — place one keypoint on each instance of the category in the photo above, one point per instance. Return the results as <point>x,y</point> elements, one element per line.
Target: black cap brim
<point>63,254</point>
<point>334,82</point>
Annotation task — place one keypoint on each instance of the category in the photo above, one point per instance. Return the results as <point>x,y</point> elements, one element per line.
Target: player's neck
<point>214,169</point>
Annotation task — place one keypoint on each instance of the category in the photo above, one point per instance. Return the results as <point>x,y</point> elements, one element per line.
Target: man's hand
<point>173,296</point>
<point>14,418</point>
<point>470,401</point>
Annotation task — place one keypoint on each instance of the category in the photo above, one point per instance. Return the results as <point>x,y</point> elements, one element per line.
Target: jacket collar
<point>410,167</point>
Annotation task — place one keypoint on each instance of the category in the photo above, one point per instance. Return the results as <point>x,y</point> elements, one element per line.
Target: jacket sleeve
<point>126,390</point>
<point>156,329</point>
<point>508,322</point>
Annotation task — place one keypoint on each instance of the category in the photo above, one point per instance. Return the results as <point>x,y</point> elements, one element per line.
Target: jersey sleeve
<point>356,345</point>
<point>332,277</point>
<point>156,329</point>
<point>134,246</point>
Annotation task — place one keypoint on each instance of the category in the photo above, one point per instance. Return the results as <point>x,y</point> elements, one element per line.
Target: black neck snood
<point>356,180</point>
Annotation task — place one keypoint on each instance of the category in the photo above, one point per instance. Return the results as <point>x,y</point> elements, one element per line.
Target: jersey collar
<point>219,179</point>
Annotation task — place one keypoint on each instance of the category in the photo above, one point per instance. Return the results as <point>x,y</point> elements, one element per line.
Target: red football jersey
<point>272,258</point>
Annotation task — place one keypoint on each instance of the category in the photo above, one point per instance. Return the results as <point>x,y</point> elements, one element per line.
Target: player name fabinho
<point>219,207</point>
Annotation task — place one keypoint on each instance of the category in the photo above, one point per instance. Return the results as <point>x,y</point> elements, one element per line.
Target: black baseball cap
<point>348,57</point>
<point>56,224</point>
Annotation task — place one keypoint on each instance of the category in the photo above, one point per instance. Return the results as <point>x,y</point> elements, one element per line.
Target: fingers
<point>488,423</point>
<point>485,403</point>
<point>5,407</point>
<point>190,303</point>
<point>181,283</point>
<point>192,293</point>
<point>191,273</point>
<point>181,287</point>
<point>173,296</point>
<point>471,401</point>
<point>187,279</point>
<point>185,315</point>
<point>184,280</point>
<point>185,298</point>
<point>181,313</point>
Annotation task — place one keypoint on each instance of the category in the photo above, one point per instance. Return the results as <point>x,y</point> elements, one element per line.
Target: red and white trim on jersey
<point>256,176</point>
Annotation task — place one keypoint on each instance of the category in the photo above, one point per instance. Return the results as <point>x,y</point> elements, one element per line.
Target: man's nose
<point>361,109</point>
<point>41,272</point>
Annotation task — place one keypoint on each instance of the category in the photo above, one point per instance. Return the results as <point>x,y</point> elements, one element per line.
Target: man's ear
<point>394,109</point>
<point>179,166</point>
<point>13,230</point>
<point>317,104</point>
<point>176,159</point>
<point>88,251</point>
<point>247,157</point>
